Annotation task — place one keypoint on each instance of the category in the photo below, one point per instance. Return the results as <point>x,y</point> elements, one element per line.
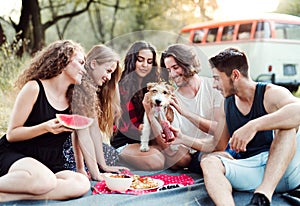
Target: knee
<point>209,163</point>
<point>80,185</point>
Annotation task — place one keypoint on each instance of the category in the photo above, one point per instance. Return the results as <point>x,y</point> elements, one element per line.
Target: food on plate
<point>120,176</point>
<point>143,182</point>
<point>74,121</point>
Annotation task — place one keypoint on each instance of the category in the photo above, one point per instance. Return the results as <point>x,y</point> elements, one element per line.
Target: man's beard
<point>184,81</point>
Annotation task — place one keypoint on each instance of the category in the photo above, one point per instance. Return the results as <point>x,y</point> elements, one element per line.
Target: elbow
<point>9,136</point>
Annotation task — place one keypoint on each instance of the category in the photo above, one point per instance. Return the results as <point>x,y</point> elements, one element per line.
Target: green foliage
<point>289,7</point>
<point>9,65</point>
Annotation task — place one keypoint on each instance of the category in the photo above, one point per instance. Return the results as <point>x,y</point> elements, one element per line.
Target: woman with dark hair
<point>31,160</point>
<point>140,67</point>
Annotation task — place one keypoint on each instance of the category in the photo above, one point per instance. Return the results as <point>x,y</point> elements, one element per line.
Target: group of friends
<point>238,133</point>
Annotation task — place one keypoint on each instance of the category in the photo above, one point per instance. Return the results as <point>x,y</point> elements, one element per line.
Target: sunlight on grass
<point>6,105</point>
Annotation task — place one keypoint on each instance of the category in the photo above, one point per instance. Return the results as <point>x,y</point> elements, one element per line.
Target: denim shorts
<point>247,174</point>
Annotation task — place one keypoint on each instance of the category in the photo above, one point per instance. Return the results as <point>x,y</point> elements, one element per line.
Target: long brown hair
<point>185,56</point>
<point>129,77</point>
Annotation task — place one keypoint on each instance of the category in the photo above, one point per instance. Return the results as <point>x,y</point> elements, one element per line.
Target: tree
<point>106,19</point>
<point>30,30</point>
<point>289,7</point>
<point>2,36</point>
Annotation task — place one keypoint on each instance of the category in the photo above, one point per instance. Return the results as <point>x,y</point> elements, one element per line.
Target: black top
<point>235,119</point>
<point>46,148</point>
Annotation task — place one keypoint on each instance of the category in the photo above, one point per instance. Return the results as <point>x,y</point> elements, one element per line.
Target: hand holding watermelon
<point>74,121</point>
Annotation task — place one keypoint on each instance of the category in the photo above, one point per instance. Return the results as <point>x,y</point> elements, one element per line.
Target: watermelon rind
<point>74,121</point>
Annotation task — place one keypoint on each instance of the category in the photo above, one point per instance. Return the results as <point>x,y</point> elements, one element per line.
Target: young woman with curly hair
<point>31,160</point>
<point>140,67</point>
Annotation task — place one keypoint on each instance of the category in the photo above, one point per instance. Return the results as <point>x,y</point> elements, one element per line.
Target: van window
<point>263,30</point>
<point>198,35</point>
<point>244,31</point>
<point>287,31</point>
<point>227,34</point>
<point>212,35</point>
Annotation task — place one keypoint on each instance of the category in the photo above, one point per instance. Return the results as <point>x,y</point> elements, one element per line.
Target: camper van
<point>271,41</point>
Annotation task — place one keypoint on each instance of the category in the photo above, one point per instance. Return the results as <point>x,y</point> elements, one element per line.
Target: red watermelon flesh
<point>74,121</point>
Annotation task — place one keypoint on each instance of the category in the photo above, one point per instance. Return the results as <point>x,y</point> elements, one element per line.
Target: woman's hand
<point>56,127</point>
<point>147,103</point>
<point>117,169</point>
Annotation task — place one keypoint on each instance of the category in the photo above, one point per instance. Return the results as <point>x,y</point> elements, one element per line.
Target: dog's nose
<point>157,102</point>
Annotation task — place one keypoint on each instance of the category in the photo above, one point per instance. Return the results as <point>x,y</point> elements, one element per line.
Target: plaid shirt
<point>131,117</point>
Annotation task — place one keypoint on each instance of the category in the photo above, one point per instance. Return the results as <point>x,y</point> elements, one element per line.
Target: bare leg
<point>281,153</point>
<point>29,179</point>
<point>217,185</point>
<point>180,159</point>
<point>151,160</point>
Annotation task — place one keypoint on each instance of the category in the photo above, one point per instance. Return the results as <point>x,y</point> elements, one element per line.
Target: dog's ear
<point>150,85</point>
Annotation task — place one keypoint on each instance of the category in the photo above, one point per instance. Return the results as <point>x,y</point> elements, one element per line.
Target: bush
<point>10,67</point>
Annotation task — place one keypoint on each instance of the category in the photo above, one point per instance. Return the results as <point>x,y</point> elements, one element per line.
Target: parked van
<point>271,41</point>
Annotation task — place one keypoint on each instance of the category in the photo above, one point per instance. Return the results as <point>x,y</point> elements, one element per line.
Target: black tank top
<point>235,119</point>
<point>48,147</point>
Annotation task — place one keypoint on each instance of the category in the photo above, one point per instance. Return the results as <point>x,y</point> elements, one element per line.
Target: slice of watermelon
<point>74,121</point>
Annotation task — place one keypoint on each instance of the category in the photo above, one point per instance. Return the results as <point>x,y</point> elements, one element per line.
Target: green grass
<point>6,104</point>
<point>10,67</point>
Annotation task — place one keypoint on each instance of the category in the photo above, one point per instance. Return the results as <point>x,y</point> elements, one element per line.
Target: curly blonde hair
<point>102,100</point>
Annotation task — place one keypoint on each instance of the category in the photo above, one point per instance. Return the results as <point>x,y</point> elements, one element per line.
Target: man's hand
<point>177,104</point>
<point>242,136</point>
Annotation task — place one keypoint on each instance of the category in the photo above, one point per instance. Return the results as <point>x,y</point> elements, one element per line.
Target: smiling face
<point>144,62</point>
<point>75,69</point>
<point>101,73</point>
<point>175,72</point>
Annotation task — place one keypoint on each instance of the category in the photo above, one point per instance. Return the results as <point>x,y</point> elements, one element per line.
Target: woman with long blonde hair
<point>97,97</point>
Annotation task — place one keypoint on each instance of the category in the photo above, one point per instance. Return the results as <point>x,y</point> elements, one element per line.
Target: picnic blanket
<point>189,195</point>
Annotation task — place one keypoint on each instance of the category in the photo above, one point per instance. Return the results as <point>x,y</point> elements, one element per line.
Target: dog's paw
<point>144,148</point>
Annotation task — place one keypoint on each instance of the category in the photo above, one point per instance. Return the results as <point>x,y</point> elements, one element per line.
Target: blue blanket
<point>189,195</point>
